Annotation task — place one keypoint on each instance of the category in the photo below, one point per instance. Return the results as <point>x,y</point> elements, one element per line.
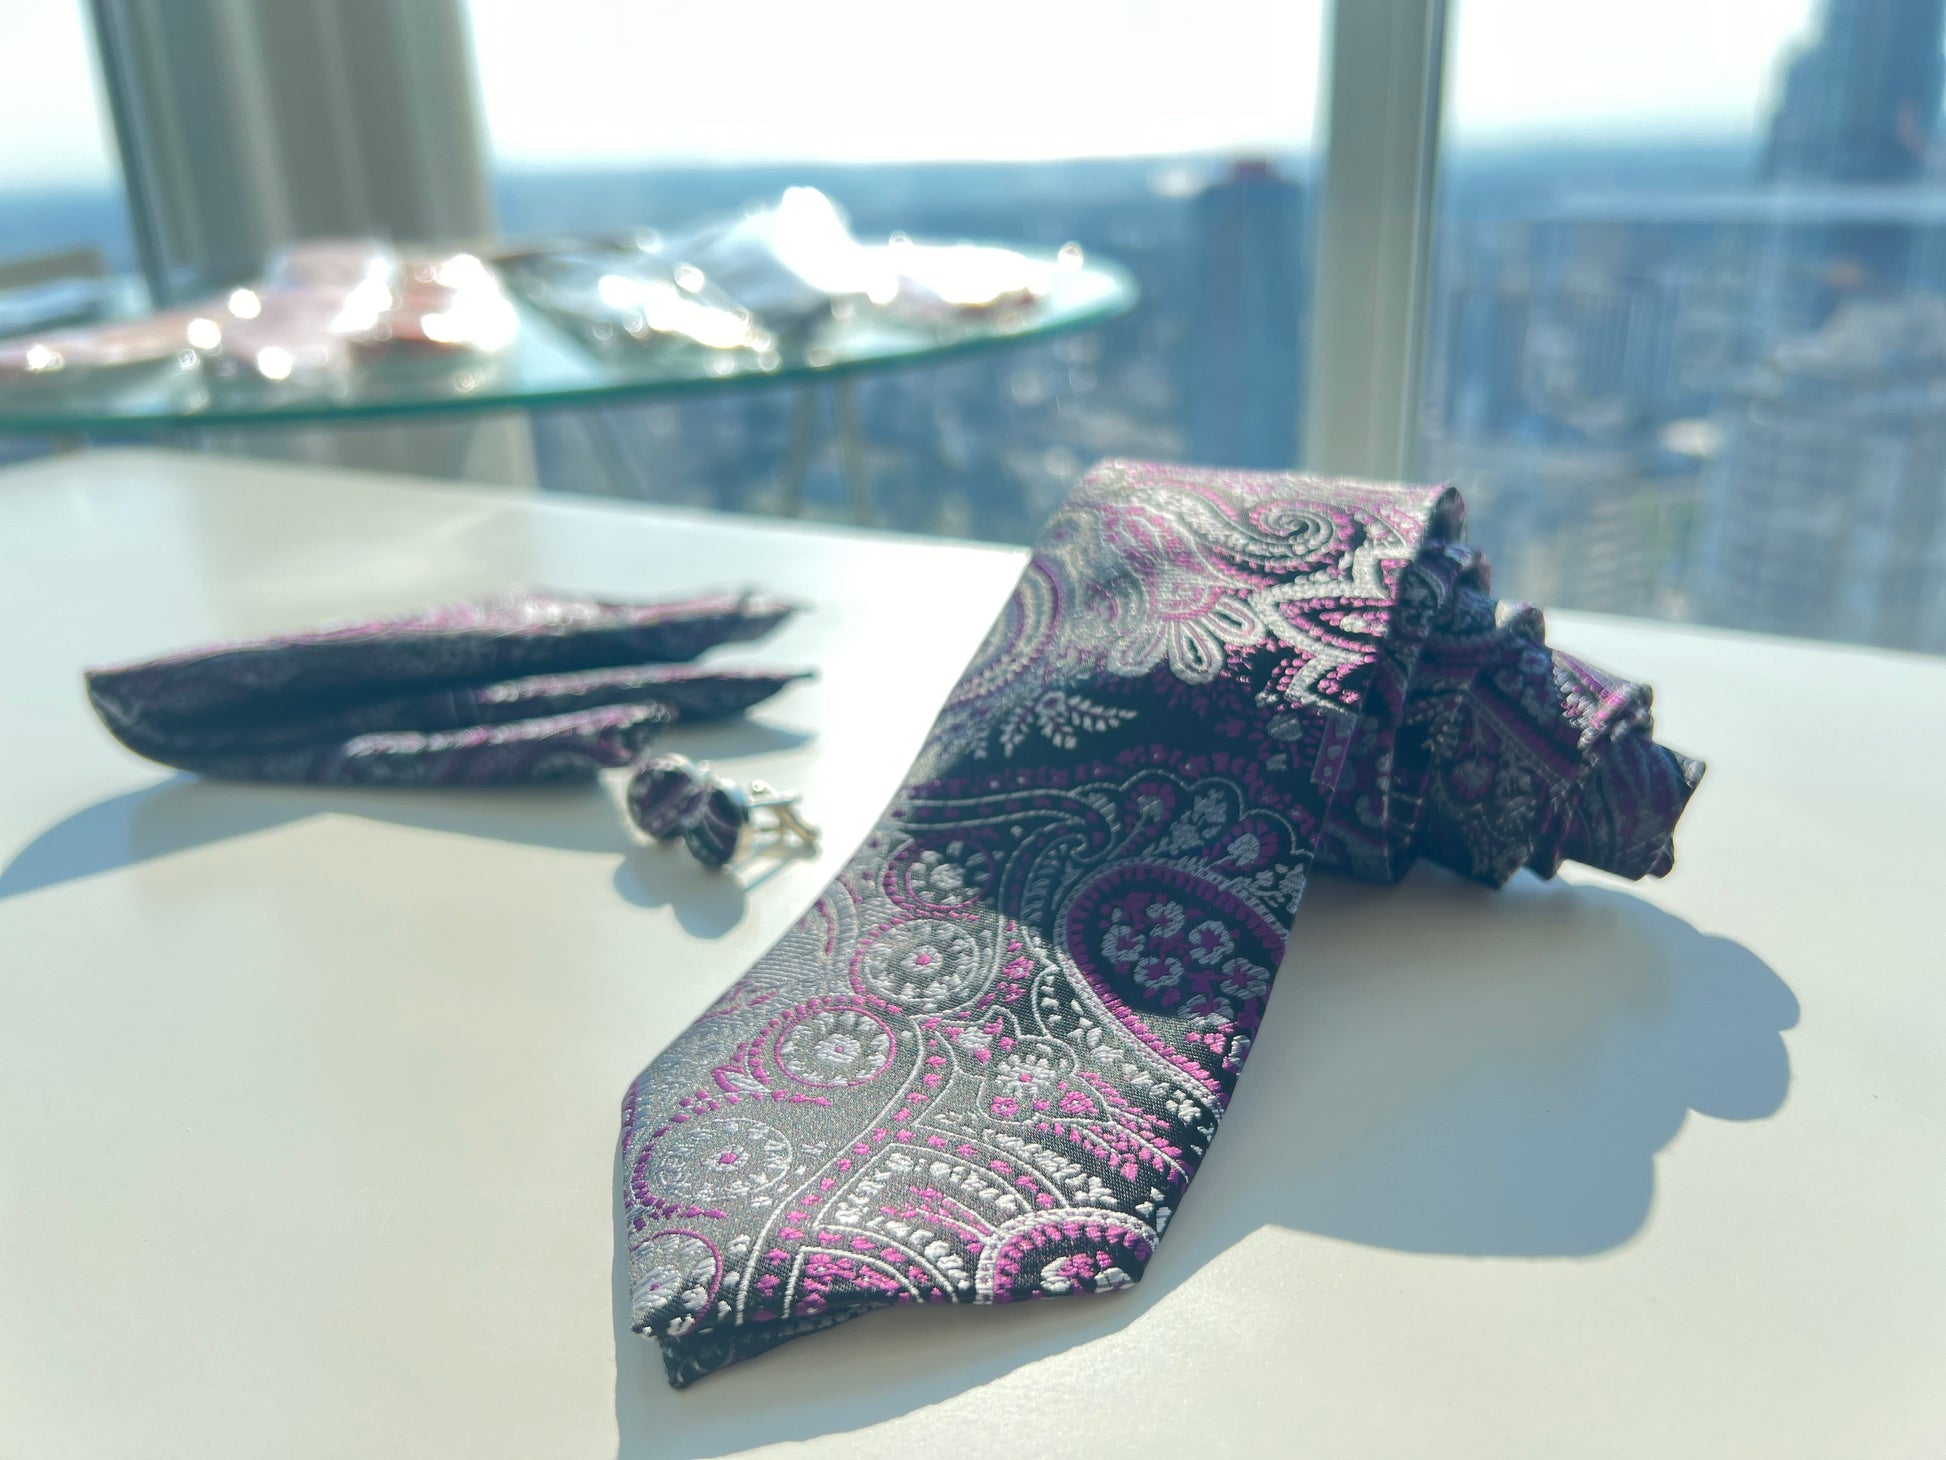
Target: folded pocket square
<point>521,687</point>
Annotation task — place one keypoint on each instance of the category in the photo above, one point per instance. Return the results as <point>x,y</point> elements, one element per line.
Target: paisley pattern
<point>985,1065</point>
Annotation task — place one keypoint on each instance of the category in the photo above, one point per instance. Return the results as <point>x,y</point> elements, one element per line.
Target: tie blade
<point>685,1360</point>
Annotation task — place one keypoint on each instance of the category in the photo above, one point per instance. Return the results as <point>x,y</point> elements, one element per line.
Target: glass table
<point>548,367</point>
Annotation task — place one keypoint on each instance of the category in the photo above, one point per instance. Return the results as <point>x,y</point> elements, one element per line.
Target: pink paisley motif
<point>1054,1253</point>
<point>1151,940</point>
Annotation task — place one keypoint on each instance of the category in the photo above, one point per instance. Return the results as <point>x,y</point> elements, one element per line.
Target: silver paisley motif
<point>925,965</point>
<point>710,1160</point>
<point>835,1047</point>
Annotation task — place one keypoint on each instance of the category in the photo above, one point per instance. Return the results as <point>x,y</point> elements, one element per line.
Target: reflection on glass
<point>788,262</point>
<point>789,273</point>
<point>330,318</point>
<point>147,360</point>
<point>336,330</point>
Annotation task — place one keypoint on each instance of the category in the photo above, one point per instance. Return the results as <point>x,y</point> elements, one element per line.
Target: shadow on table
<point>186,812</point>
<point>1444,1069</point>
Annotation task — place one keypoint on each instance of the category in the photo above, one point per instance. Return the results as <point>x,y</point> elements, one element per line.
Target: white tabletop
<point>308,1097</point>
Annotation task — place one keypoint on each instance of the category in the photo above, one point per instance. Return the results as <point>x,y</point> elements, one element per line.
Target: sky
<point>605,82</point>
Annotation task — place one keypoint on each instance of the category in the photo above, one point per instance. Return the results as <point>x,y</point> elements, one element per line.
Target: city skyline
<point>1666,371</point>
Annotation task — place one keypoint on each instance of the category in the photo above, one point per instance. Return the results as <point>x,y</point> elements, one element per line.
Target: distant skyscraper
<point>1623,329</point>
<point>1858,107</point>
<point>1241,367</point>
<point>1476,381</point>
<point>1826,514</point>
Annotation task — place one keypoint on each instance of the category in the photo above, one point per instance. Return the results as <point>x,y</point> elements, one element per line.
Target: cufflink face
<point>719,832</point>
<point>672,798</point>
<point>665,793</point>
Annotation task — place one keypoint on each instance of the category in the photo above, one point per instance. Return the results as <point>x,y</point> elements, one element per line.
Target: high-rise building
<point>1573,525</point>
<point>1858,108</point>
<point>1242,358</point>
<point>1826,512</point>
<point>1859,105</point>
<point>1476,377</point>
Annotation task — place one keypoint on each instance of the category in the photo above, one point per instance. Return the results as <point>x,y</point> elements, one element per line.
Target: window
<point>60,188</point>
<point>65,255</point>
<point>1174,139</point>
<point>1685,335</point>
<point>1688,323</point>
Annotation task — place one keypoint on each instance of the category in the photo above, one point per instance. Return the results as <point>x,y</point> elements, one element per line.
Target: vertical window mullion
<point>1386,60</point>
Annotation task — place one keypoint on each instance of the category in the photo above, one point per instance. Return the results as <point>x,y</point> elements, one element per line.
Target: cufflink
<point>719,821</point>
<point>664,794</point>
<point>732,819</point>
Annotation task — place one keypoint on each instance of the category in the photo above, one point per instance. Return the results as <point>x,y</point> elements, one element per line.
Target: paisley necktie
<point>986,1063</point>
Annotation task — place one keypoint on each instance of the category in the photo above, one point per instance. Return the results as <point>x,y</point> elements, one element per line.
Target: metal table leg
<point>797,466</point>
<point>625,478</point>
<point>851,450</point>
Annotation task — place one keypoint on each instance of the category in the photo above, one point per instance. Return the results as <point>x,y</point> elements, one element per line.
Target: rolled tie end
<point>1491,751</point>
<point>1621,816</point>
